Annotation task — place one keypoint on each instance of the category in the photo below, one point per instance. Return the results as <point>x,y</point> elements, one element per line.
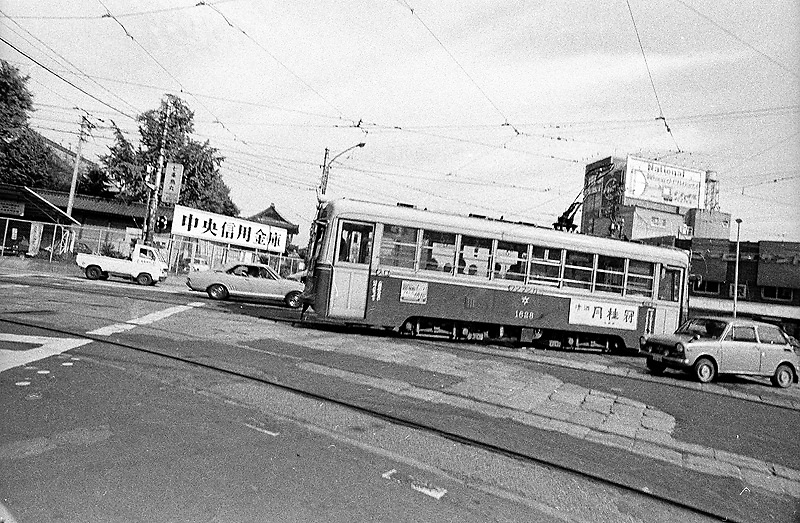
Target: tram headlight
<point>642,342</point>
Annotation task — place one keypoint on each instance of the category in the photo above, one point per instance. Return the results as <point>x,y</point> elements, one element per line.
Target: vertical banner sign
<point>220,228</point>
<point>173,178</point>
<point>36,238</point>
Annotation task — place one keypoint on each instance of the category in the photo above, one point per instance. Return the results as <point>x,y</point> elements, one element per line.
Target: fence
<point>56,242</point>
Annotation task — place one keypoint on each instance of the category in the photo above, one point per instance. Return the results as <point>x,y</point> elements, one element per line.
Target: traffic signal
<point>161,224</point>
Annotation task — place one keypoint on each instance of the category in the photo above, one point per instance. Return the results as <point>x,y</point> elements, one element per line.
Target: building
<point>768,279</point>
<point>634,198</point>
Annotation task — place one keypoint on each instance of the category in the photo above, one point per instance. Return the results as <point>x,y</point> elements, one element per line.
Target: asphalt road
<point>124,435</point>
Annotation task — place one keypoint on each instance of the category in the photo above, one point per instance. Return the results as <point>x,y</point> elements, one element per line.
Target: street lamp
<point>326,166</point>
<point>323,184</point>
<point>736,268</point>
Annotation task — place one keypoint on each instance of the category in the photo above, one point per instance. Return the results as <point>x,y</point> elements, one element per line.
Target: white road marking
<point>415,484</point>
<point>265,431</point>
<point>46,347</point>
<point>144,320</point>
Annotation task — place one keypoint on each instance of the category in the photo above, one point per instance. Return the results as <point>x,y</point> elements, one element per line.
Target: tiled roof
<point>270,216</point>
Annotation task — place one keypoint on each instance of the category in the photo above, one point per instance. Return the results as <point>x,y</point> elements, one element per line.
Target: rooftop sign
<point>662,183</point>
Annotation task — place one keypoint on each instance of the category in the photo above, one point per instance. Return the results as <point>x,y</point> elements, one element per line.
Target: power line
<point>650,75</point>
<point>738,38</point>
<point>93,97</point>
<point>64,59</point>
<point>295,75</point>
<point>123,15</point>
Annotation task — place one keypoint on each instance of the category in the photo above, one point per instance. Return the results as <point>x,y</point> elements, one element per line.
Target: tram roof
<point>499,229</point>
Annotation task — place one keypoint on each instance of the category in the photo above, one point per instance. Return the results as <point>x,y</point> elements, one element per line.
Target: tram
<point>468,277</point>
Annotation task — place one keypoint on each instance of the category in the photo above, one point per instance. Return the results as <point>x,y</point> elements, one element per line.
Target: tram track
<point>221,368</point>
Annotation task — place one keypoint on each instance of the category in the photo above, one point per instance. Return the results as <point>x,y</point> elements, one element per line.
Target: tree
<point>15,102</point>
<point>125,168</point>
<point>203,187</point>
<point>95,182</point>
<point>25,157</point>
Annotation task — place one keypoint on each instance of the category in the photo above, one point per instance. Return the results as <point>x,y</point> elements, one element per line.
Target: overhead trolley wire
<point>64,59</point>
<point>650,75</point>
<point>738,38</point>
<point>258,44</point>
<point>93,97</point>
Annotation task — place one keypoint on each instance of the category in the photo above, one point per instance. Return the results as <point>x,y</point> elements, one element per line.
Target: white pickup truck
<point>144,265</point>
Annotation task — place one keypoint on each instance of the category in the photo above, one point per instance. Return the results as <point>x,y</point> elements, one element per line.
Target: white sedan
<point>249,281</point>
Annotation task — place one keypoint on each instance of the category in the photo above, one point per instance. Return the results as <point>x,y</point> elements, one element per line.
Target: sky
<point>491,107</point>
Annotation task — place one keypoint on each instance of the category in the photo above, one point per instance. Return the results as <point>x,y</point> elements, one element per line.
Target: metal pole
<point>736,269</point>
<point>154,201</point>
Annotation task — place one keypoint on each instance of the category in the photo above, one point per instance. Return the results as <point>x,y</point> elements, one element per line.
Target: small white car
<point>252,281</point>
<point>709,346</point>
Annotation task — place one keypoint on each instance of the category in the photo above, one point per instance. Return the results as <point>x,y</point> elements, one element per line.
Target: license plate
<point>657,357</point>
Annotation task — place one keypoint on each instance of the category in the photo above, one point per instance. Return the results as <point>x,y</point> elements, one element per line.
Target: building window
<point>706,287</point>
<point>777,293</point>
<point>742,290</point>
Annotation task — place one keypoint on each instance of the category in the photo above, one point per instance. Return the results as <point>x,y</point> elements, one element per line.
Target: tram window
<point>545,265</point>
<point>510,261</point>
<point>640,278</point>
<point>610,272</point>
<point>578,269</point>
<point>438,251</point>
<point>399,246</point>
<point>669,287</point>
<point>475,256</point>
<point>355,243</point>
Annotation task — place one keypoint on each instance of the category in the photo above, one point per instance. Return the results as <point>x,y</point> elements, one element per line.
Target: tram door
<point>351,270</point>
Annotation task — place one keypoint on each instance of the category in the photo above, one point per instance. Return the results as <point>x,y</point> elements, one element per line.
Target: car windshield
<point>703,327</point>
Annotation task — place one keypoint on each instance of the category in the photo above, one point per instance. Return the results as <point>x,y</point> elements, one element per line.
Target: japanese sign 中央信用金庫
<point>226,229</point>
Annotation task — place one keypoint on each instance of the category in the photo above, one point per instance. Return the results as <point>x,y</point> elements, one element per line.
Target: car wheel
<point>783,377</point>
<point>144,279</point>
<point>93,272</point>
<point>656,368</point>
<point>217,292</point>
<point>293,300</point>
<point>704,370</point>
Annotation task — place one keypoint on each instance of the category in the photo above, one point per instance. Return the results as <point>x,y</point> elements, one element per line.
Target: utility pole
<point>326,169</point>
<point>75,170</point>
<point>152,208</point>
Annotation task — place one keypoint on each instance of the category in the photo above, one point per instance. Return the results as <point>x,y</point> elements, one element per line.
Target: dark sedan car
<point>709,346</point>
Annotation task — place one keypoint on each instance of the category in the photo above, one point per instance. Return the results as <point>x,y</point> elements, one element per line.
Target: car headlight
<point>680,349</point>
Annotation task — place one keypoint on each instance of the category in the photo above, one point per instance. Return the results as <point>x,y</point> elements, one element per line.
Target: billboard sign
<point>173,178</point>
<point>225,229</point>
<point>662,183</point>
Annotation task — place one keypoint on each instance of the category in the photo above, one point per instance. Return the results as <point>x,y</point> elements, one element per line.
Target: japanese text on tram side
<point>603,314</point>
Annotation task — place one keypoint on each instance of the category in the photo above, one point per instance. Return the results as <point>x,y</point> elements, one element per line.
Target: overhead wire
<point>93,97</point>
<point>738,38</point>
<point>650,75</point>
